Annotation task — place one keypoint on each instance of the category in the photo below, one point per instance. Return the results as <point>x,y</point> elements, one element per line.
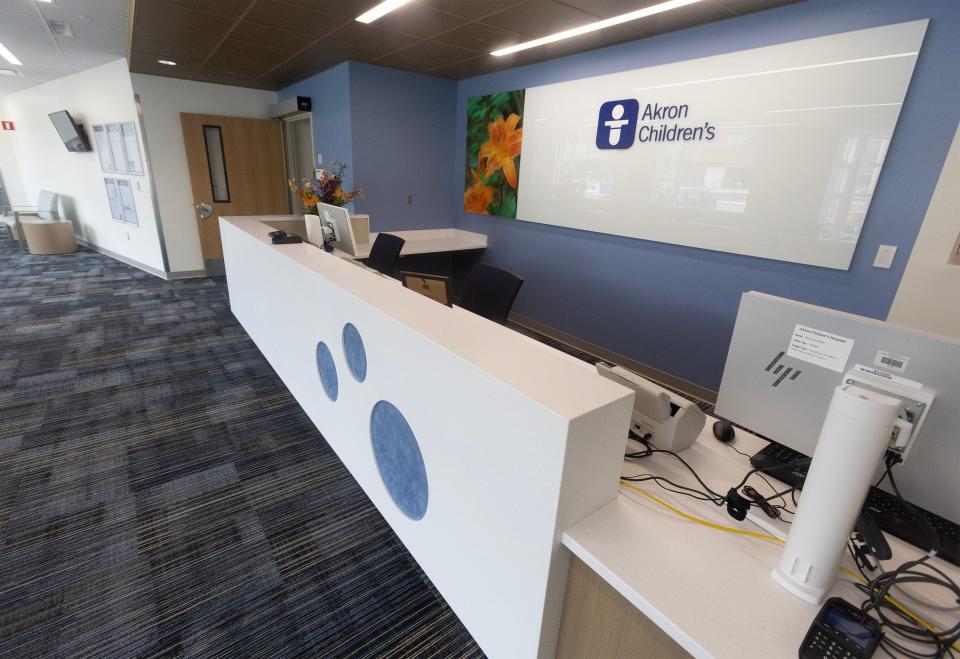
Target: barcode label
<point>891,360</point>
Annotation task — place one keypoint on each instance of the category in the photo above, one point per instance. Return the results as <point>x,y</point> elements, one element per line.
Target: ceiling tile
<point>684,17</point>
<point>117,7</point>
<point>147,63</point>
<point>279,42</point>
<point>468,68</point>
<point>749,6</point>
<point>420,21</point>
<point>429,53</point>
<point>167,15</point>
<point>272,36</point>
<point>536,18</point>
<point>470,9</point>
<point>17,6</point>
<point>15,21</point>
<point>226,8</point>
<point>404,63</point>
<point>343,8</point>
<point>328,49</point>
<point>165,50</point>
<point>372,37</point>
<point>295,19</point>
<point>237,69</point>
<point>481,38</point>
<point>156,32</point>
<point>250,50</point>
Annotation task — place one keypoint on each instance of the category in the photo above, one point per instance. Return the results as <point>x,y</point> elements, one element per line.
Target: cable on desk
<point>733,498</point>
<point>905,611</point>
<point>894,617</point>
<point>719,527</point>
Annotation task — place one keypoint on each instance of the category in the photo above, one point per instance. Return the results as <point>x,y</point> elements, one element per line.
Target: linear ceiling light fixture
<point>382,9</point>
<point>166,62</point>
<point>597,25</point>
<point>10,57</point>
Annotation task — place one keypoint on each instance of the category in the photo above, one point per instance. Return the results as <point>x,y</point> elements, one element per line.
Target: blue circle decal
<point>354,351</point>
<point>399,460</point>
<point>327,370</point>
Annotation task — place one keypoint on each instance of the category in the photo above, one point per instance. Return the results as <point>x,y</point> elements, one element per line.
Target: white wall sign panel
<point>772,152</point>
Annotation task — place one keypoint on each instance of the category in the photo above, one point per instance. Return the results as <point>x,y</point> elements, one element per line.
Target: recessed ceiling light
<point>49,2</point>
<point>597,25</point>
<point>166,62</point>
<point>10,57</point>
<point>384,7</point>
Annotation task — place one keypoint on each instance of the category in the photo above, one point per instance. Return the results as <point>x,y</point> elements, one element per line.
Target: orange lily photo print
<point>494,140</point>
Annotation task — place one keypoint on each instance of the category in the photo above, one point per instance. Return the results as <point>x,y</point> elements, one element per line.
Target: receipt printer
<point>673,423</point>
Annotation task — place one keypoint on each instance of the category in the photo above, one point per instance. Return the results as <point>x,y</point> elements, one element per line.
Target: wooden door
<point>236,168</point>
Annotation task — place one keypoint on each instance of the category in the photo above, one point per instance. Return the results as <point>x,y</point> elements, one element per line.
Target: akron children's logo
<point>618,121</point>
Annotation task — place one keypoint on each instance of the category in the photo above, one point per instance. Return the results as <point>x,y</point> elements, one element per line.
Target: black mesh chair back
<point>384,253</point>
<point>489,291</point>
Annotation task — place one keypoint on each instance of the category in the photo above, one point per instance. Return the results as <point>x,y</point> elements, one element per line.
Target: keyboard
<point>889,512</point>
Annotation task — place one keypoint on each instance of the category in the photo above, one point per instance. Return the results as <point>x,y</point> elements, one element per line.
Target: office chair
<point>489,291</point>
<point>384,253</point>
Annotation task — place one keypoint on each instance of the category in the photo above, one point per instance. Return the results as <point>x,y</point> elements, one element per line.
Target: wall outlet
<point>408,198</point>
<point>885,254</point>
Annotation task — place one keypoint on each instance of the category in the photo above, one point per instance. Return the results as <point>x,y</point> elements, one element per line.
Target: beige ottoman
<point>48,236</point>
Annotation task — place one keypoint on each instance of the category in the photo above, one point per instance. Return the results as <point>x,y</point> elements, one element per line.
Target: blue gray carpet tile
<point>162,494</point>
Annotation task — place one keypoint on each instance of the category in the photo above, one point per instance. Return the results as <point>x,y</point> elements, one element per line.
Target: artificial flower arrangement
<point>327,188</point>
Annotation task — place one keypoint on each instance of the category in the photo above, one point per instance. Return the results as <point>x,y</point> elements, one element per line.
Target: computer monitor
<point>338,217</point>
<point>435,287</point>
<point>787,357</point>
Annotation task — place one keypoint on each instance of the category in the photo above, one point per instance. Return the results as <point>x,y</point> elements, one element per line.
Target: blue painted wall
<point>330,91</point>
<point>403,132</point>
<point>395,131</point>
<point>674,307</point>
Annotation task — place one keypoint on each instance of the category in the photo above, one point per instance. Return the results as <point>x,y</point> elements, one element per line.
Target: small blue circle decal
<point>399,460</point>
<point>355,352</point>
<point>327,370</point>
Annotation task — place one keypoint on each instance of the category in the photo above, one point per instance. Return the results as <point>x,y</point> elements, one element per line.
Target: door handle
<point>204,209</point>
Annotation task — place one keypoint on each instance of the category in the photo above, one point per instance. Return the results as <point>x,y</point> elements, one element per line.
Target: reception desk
<point>479,446</point>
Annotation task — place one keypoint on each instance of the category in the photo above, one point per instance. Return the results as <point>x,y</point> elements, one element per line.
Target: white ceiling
<point>100,30</point>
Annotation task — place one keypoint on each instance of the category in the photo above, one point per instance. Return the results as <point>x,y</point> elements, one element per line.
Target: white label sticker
<point>891,360</point>
<point>820,348</point>
<point>889,377</point>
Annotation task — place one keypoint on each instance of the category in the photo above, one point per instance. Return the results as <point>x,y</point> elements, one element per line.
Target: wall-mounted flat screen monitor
<point>70,131</point>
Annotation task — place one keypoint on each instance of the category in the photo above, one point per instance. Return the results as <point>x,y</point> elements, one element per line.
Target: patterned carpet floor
<point>162,493</point>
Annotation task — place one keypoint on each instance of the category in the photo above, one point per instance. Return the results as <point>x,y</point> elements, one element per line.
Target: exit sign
<point>7,125</point>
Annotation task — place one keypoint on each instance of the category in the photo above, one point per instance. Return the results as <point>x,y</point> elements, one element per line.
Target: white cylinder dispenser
<point>856,432</point>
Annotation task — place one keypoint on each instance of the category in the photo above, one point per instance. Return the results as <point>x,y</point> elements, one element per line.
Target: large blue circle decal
<point>327,370</point>
<point>354,351</point>
<point>399,460</point>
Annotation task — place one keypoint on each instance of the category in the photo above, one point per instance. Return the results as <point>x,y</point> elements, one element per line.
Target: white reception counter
<point>478,445</point>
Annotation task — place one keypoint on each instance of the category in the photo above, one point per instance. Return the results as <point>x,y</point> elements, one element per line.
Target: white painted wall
<point>10,168</point>
<point>161,102</point>
<point>99,95</point>
<point>929,295</point>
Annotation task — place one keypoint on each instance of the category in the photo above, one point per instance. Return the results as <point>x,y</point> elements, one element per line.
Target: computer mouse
<point>723,430</point>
